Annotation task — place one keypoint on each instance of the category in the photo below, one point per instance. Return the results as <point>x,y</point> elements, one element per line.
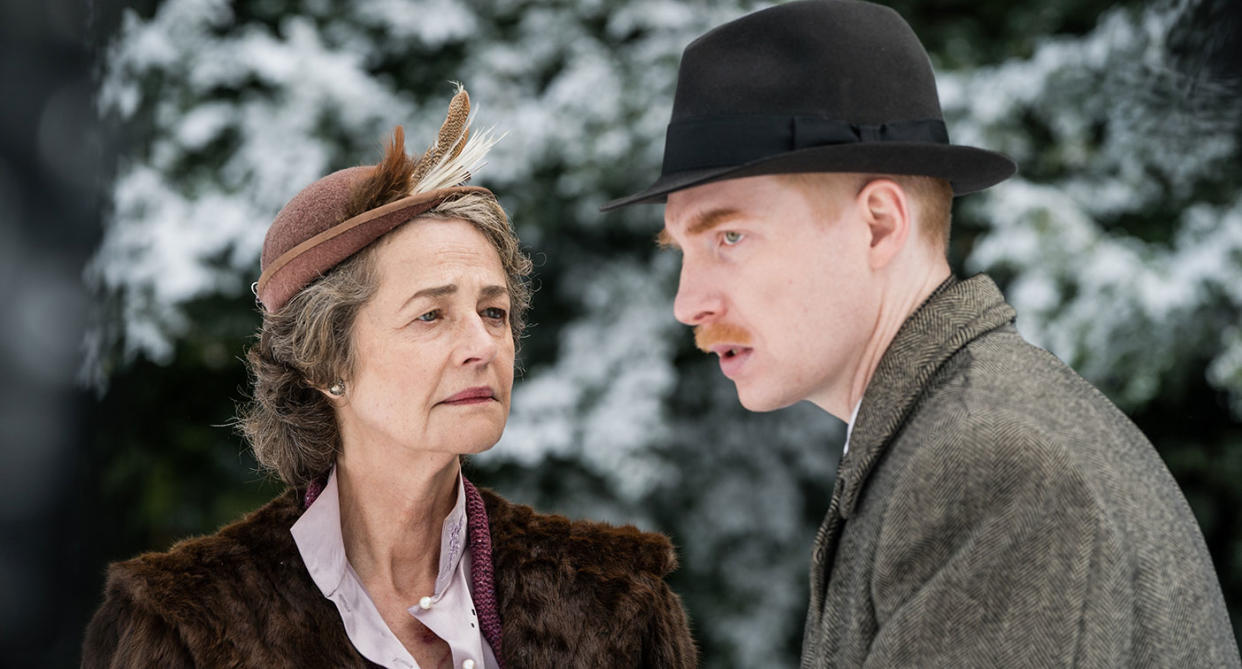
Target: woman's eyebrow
<point>435,291</point>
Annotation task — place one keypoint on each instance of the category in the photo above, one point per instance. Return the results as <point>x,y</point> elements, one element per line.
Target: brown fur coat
<point>569,593</point>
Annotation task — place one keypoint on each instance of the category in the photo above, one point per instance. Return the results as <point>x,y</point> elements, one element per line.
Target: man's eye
<point>495,313</point>
<point>430,316</point>
<point>731,237</point>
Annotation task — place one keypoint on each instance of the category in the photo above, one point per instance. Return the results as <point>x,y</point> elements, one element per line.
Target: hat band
<point>723,142</point>
<point>413,205</point>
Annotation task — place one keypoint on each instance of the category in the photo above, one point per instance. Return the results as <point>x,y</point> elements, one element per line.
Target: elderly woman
<point>392,300</point>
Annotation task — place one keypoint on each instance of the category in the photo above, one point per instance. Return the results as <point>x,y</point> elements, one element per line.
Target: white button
<point>424,603</point>
<point>467,664</point>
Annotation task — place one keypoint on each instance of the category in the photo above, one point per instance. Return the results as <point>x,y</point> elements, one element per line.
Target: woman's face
<point>433,365</point>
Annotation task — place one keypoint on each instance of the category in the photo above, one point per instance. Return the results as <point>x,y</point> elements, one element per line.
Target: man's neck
<point>897,303</point>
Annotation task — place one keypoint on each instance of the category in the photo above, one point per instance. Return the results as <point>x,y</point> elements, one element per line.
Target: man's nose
<point>697,300</point>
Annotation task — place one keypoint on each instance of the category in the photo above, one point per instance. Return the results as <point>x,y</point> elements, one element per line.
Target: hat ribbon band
<point>426,199</point>
<point>721,142</point>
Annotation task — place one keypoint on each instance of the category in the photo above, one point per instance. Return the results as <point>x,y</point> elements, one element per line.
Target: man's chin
<point>759,402</point>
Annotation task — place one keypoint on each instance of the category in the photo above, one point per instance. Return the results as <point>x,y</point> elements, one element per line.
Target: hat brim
<point>966,168</point>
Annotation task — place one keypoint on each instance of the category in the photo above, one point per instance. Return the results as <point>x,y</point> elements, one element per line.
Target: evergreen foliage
<point>1120,244</point>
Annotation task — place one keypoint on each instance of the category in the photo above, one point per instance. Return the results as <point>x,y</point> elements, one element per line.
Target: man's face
<point>776,281</point>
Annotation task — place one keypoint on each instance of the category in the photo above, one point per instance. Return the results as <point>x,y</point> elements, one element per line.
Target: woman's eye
<point>495,313</point>
<point>430,316</point>
<point>731,237</point>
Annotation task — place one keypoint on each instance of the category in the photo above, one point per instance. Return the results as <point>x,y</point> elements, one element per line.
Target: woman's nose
<point>479,343</point>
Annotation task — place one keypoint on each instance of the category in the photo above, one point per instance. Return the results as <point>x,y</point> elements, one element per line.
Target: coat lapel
<point>956,313</point>
<point>821,560</point>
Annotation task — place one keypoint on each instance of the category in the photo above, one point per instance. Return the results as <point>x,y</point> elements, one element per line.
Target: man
<point>991,507</point>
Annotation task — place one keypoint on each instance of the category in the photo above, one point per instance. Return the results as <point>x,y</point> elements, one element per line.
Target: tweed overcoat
<point>996,510</point>
<point>569,594</point>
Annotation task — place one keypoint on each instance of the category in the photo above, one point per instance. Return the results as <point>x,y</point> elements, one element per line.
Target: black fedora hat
<point>812,86</point>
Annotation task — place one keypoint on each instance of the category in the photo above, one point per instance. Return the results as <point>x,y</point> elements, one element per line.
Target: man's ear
<point>886,211</point>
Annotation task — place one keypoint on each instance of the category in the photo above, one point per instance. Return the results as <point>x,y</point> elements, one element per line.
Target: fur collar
<point>586,545</point>
<point>567,592</point>
<point>520,535</point>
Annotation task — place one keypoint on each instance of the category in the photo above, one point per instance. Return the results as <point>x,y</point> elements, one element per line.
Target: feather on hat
<point>340,214</point>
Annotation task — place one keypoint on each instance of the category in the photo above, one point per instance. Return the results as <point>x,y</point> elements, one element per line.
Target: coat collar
<point>954,315</point>
<point>523,540</point>
<point>518,557</point>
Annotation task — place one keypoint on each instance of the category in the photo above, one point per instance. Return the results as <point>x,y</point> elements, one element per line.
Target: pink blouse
<point>448,612</point>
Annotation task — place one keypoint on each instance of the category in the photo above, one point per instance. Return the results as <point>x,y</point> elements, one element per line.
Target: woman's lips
<point>475,395</point>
